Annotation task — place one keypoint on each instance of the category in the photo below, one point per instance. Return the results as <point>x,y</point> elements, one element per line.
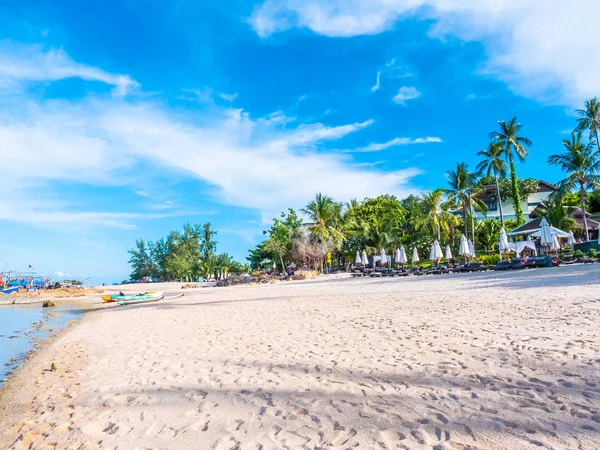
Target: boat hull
<point>133,297</point>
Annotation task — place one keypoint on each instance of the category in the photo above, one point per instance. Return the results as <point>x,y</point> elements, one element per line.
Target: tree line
<point>386,222</point>
<point>184,255</point>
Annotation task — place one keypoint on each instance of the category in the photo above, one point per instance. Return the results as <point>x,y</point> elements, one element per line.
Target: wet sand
<point>479,361</point>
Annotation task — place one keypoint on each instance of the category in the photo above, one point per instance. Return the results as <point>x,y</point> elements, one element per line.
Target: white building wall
<point>509,212</point>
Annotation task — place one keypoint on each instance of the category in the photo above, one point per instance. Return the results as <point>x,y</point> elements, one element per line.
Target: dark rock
<point>48,304</point>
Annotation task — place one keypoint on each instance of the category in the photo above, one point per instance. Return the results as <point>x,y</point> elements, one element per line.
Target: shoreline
<point>19,377</point>
<point>446,362</point>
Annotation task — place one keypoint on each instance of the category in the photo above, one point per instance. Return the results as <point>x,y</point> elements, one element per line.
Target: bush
<point>489,259</point>
<point>577,254</point>
<point>592,253</point>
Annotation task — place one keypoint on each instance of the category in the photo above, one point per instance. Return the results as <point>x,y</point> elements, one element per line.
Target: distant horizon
<point>231,113</point>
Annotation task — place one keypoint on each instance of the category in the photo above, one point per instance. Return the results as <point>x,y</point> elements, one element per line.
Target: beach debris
<point>48,304</point>
<point>53,367</point>
<point>190,286</point>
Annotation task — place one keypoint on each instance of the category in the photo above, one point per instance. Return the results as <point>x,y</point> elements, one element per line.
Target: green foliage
<point>281,235</point>
<point>510,225</point>
<point>592,253</point>
<point>369,208</point>
<point>325,220</point>
<point>557,215</point>
<point>489,259</point>
<point>488,233</point>
<point>526,186</point>
<point>577,254</point>
<point>183,255</point>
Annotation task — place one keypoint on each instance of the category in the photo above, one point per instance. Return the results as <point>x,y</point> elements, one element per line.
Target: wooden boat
<point>134,297</point>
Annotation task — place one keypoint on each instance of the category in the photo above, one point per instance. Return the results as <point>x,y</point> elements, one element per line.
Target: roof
<point>543,186</point>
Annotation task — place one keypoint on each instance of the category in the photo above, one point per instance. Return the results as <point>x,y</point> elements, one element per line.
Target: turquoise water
<point>22,327</point>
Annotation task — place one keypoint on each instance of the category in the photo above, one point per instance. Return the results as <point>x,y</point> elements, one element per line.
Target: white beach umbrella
<point>437,251</point>
<point>383,257</point>
<point>403,259</point>
<point>571,239</point>
<point>415,255</point>
<point>545,234</point>
<point>448,254</point>
<point>357,260</point>
<point>471,248</point>
<point>431,251</point>
<point>365,259</point>
<point>504,245</point>
<point>397,255</point>
<point>463,249</point>
<point>555,244</point>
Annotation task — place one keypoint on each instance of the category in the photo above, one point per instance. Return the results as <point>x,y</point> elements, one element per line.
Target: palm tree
<point>324,219</point>
<point>579,161</point>
<point>462,183</point>
<point>488,231</point>
<point>379,233</point>
<point>436,216</point>
<point>556,213</point>
<point>513,144</point>
<point>493,164</point>
<point>590,119</point>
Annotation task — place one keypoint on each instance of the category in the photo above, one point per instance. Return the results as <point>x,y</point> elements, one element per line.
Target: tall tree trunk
<point>597,140</point>
<point>585,225</point>
<point>516,192</point>
<point>499,199</point>
<point>465,217</point>
<point>438,232</point>
<point>472,218</point>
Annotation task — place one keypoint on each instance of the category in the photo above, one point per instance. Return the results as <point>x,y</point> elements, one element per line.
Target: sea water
<point>22,328</point>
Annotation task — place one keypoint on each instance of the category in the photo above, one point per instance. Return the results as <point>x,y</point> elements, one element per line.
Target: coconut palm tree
<point>462,184</point>
<point>580,162</point>
<point>488,231</point>
<point>514,145</point>
<point>324,219</point>
<point>590,119</point>
<point>492,164</point>
<point>379,233</point>
<point>556,213</point>
<point>437,217</point>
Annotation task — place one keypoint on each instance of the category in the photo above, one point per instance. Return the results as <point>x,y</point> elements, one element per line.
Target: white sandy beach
<point>480,361</point>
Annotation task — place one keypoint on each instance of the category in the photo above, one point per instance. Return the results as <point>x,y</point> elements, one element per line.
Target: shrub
<point>592,253</point>
<point>489,259</point>
<point>577,254</point>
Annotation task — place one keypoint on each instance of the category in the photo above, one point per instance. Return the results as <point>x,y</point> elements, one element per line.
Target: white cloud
<point>31,63</point>
<point>378,83</point>
<point>266,164</point>
<point>228,97</point>
<point>406,93</point>
<point>396,142</point>
<point>142,193</point>
<point>542,50</point>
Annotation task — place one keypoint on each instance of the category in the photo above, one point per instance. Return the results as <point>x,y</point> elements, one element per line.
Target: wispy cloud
<point>406,93</point>
<point>377,83</point>
<point>142,193</point>
<point>228,97</point>
<point>396,142</point>
<point>21,64</point>
<point>523,42</point>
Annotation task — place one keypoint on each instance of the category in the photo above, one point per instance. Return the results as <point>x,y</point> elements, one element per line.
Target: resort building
<point>533,201</point>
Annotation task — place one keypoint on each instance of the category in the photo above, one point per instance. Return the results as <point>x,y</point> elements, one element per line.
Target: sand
<point>479,361</point>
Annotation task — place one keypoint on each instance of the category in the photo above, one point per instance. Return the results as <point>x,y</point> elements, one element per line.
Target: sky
<point>125,119</point>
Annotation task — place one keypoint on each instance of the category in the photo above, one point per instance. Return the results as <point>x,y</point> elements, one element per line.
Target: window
<point>491,204</point>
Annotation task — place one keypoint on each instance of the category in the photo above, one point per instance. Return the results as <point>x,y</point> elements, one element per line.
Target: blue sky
<point>125,119</point>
